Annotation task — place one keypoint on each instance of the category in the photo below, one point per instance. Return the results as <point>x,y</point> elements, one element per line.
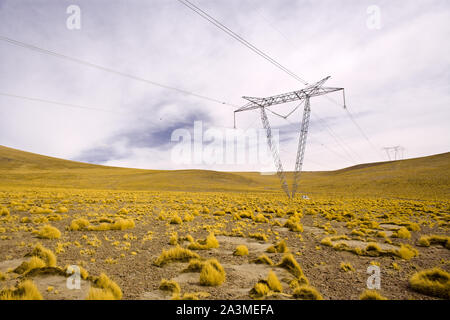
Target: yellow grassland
<point>194,220</point>
<point>419,178</point>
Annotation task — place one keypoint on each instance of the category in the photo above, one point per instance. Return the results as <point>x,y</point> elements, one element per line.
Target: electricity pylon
<point>303,96</point>
<point>397,150</point>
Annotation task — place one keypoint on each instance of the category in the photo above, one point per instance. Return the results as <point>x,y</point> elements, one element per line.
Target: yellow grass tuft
<point>406,252</point>
<point>346,267</point>
<point>25,220</point>
<point>258,236</point>
<point>273,282</point>
<point>373,248</point>
<point>289,263</point>
<point>236,216</point>
<point>241,250</point>
<point>191,296</point>
<point>79,224</point>
<point>49,232</point>
<point>123,224</point>
<point>260,290</point>
<point>195,265</point>
<point>209,243</point>
<point>62,209</point>
<point>174,239</point>
<point>188,217</point>
<point>119,224</point>
<point>381,234</point>
<point>4,211</point>
<point>100,294</point>
<point>27,266</point>
<point>122,211</point>
<point>293,224</point>
<point>176,219</point>
<point>395,266</point>
<point>260,218</point>
<point>280,247</point>
<point>212,273</point>
<point>39,210</point>
<point>170,285</point>
<point>45,254</point>
<point>357,233</point>
<point>188,238</point>
<point>263,259</point>
<point>245,214</point>
<point>327,242</point>
<point>371,295</point>
<point>402,233</point>
<point>306,292</point>
<point>433,282</point>
<point>426,241</point>
<point>175,254</point>
<point>35,263</point>
<point>294,283</point>
<point>104,289</point>
<point>26,290</point>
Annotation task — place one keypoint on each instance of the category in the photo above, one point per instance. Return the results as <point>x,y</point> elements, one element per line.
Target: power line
<point>237,37</point>
<point>360,129</point>
<point>309,160</point>
<point>57,103</point>
<point>338,140</point>
<point>206,16</point>
<point>288,114</point>
<point>106,69</point>
<point>349,114</point>
<point>333,151</point>
<point>327,97</point>
<point>323,145</point>
<point>324,126</point>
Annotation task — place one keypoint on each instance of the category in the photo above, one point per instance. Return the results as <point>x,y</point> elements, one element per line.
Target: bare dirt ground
<point>128,256</point>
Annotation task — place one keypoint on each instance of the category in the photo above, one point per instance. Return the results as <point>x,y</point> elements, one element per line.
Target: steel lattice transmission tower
<point>303,96</point>
<point>397,151</point>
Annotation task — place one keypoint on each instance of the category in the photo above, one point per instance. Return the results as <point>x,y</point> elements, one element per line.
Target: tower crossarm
<point>311,91</point>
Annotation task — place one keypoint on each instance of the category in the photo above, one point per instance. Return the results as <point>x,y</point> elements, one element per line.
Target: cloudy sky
<point>392,57</point>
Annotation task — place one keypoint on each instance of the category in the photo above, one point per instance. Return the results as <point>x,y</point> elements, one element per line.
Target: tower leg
<point>273,148</point>
<point>301,146</point>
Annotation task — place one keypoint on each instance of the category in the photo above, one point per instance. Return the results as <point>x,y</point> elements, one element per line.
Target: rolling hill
<point>425,177</point>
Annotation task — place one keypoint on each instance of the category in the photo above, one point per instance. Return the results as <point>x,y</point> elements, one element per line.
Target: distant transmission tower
<point>303,96</point>
<point>397,151</point>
